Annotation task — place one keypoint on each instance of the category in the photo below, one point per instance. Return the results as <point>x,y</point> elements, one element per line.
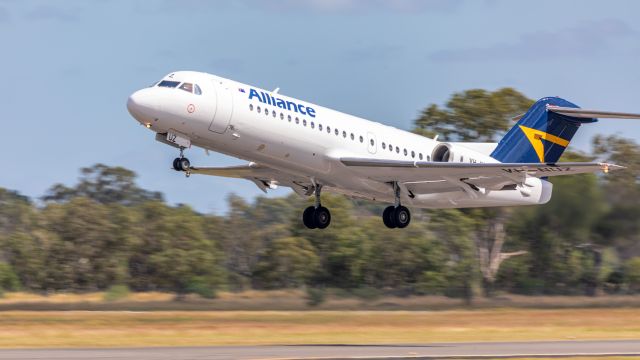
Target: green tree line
<point>107,231</point>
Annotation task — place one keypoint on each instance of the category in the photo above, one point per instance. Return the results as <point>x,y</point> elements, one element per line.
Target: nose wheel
<point>182,163</point>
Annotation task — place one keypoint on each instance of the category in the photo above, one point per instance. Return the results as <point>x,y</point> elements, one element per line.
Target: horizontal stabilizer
<point>586,113</point>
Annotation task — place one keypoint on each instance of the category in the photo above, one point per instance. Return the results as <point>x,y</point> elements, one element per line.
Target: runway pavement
<point>416,351</point>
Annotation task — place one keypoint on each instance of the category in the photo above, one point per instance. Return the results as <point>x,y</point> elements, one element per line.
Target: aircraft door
<point>224,108</point>
<point>372,144</point>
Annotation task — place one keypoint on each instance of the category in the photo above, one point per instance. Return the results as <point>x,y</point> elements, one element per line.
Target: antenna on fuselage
<point>435,138</point>
<point>276,90</point>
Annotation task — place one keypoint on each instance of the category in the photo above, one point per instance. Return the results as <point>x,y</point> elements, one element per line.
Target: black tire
<point>388,218</point>
<point>322,217</point>
<point>176,165</point>
<point>184,164</point>
<point>402,217</point>
<point>308,217</point>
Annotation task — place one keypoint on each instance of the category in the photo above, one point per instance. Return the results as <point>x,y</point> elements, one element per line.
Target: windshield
<point>188,87</point>
<point>168,83</point>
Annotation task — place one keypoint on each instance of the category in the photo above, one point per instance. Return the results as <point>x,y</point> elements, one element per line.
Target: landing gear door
<point>372,144</point>
<point>224,107</point>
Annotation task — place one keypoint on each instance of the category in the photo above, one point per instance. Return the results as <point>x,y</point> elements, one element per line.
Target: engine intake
<point>442,153</point>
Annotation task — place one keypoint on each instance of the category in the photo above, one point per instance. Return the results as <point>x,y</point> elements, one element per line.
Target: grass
<point>291,300</point>
<point>195,328</point>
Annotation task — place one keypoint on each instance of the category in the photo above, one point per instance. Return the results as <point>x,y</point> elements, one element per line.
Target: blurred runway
<point>416,351</point>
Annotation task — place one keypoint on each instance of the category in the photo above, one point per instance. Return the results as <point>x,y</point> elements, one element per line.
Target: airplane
<point>309,148</point>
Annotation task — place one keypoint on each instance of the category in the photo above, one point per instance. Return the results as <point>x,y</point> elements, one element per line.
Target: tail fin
<point>542,134</point>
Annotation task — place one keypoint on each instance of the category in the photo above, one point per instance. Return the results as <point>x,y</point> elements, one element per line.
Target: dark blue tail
<point>540,136</point>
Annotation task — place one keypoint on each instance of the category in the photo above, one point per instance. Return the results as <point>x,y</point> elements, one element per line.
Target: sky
<point>69,66</point>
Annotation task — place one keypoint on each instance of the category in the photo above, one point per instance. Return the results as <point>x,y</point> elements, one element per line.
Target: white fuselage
<point>307,140</point>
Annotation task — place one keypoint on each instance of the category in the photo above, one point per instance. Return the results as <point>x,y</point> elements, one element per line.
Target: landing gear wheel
<point>308,217</point>
<point>184,164</point>
<point>388,217</point>
<point>176,164</point>
<point>402,216</point>
<point>322,217</point>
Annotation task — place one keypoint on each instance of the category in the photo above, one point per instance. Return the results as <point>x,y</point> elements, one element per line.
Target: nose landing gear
<point>317,216</point>
<point>396,216</point>
<point>182,163</point>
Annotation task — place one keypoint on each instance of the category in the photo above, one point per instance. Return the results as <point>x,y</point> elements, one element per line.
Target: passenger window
<point>197,90</point>
<point>281,116</point>
<point>390,147</point>
<point>297,121</point>
<point>320,127</point>
<point>304,122</point>
<point>384,146</point>
<point>258,109</point>
<point>188,87</point>
<point>361,138</point>
<point>250,107</point>
<point>344,134</point>
<point>397,150</point>
<point>413,154</point>
<point>405,152</point>
<point>313,125</point>
<point>266,111</point>
<point>420,156</point>
<point>352,136</point>
<point>169,83</point>
<point>461,158</point>
<point>428,157</point>
<point>328,129</point>
<point>372,143</point>
<point>289,118</point>
<point>337,132</point>
<point>273,113</point>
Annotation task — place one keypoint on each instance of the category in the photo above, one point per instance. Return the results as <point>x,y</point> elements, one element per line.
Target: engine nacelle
<point>447,152</point>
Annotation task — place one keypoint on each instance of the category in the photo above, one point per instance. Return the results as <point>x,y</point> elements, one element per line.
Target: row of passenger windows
<point>259,110</point>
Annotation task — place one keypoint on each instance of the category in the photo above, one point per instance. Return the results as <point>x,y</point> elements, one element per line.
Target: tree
<point>288,263</point>
<point>105,185</point>
<point>620,226</point>
<point>473,115</point>
<point>479,115</point>
<point>173,252</point>
<point>84,247</point>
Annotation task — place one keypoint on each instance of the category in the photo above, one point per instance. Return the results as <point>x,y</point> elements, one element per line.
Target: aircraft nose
<point>141,105</point>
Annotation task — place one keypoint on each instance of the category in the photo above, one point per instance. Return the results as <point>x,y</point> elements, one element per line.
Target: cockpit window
<point>197,90</point>
<point>169,84</point>
<point>188,87</point>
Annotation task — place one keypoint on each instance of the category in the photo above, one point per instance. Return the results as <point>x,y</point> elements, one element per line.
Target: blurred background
<point>91,217</point>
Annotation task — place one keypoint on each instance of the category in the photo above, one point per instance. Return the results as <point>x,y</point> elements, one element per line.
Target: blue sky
<point>69,66</point>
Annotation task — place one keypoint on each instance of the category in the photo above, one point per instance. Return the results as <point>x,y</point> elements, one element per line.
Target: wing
<point>433,177</point>
<point>264,177</point>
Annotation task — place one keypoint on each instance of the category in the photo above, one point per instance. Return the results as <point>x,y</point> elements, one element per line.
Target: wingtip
<point>606,167</point>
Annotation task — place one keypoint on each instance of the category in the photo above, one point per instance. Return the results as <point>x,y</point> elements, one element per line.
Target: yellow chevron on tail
<point>535,137</point>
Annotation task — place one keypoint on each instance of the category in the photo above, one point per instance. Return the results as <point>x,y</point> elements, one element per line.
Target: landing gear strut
<point>317,216</point>
<point>396,216</point>
<point>181,163</point>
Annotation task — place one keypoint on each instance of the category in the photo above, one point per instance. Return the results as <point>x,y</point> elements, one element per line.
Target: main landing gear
<point>396,216</point>
<point>317,216</point>
<point>181,163</point>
